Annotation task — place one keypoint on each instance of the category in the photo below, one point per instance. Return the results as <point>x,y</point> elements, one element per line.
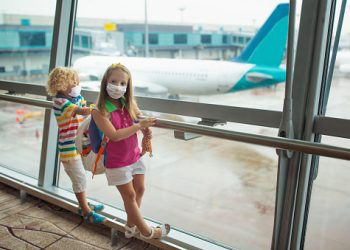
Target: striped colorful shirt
<point>65,109</point>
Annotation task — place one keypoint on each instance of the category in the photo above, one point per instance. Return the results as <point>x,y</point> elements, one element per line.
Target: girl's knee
<point>139,191</point>
<point>129,196</point>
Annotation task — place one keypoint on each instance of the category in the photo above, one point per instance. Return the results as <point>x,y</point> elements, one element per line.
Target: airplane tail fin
<point>268,45</point>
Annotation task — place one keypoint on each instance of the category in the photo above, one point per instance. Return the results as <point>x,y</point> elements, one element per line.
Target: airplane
<point>257,66</point>
<point>342,63</point>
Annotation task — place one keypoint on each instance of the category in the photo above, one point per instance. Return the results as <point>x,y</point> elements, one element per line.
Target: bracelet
<point>91,107</point>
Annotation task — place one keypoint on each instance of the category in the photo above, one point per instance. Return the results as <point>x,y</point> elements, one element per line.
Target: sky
<point>225,12</point>
<point>188,11</point>
<point>229,12</point>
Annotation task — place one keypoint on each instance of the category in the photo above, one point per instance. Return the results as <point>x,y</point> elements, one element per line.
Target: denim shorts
<point>123,175</point>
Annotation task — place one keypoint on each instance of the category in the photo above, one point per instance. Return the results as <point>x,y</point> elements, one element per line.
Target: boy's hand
<point>84,111</point>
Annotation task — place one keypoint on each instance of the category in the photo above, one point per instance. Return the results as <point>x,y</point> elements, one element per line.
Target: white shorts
<point>123,175</point>
<point>76,172</point>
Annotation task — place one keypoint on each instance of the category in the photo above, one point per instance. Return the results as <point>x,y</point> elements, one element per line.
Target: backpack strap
<point>103,144</point>
<point>86,151</point>
<point>100,152</point>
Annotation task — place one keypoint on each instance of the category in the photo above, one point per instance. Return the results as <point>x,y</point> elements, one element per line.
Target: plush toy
<point>146,142</point>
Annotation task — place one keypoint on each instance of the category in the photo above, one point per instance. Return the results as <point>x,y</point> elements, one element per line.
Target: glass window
<point>152,39</point>
<point>21,128</point>
<point>206,39</point>
<point>339,96</point>
<point>210,187</point>
<point>85,42</point>
<point>34,39</point>
<point>328,220</point>
<point>180,38</point>
<point>197,28</point>
<point>25,40</point>
<point>224,39</point>
<point>76,41</point>
<point>239,201</point>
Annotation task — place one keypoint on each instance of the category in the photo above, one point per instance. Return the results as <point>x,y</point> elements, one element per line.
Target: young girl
<point>115,115</point>
<point>69,108</point>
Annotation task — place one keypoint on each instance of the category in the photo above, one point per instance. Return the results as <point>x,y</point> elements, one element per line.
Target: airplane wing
<point>149,88</point>
<point>90,85</point>
<point>257,77</point>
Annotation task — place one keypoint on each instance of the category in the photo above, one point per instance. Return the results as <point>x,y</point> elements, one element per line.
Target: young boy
<point>70,108</point>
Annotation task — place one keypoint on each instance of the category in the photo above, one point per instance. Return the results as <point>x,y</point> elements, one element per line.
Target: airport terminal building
<point>26,41</point>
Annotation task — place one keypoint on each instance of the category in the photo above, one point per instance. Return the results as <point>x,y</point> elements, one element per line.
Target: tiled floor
<point>35,224</point>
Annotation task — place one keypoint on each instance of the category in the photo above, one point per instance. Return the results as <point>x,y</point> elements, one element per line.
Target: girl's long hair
<point>130,101</point>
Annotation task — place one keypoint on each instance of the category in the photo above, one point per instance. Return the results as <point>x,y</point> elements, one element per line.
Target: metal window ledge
<point>64,199</point>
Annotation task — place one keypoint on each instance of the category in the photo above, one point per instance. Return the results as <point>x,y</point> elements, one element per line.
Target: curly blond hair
<point>60,78</point>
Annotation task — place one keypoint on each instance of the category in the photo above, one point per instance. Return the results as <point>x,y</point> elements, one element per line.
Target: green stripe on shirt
<point>68,149</point>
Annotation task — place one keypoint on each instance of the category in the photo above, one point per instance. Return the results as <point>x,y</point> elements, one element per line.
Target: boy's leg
<point>76,173</point>
<point>83,204</point>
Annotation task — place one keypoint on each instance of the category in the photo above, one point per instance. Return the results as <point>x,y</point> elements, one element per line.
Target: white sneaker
<point>131,231</point>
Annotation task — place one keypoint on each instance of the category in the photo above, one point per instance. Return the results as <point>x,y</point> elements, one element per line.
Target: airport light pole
<point>182,9</point>
<point>146,32</point>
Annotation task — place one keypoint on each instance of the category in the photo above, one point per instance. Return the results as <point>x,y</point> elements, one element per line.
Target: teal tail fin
<point>268,45</point>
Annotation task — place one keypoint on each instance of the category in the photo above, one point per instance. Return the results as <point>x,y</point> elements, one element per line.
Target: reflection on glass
<point>339,94</point>
<point>202,53</point>
<point>21,137</point>
<point>329,221</point>
<point>25,40</point>
<point>218,189</point>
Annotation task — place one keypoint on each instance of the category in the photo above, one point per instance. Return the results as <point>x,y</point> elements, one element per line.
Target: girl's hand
<point>147,122</point>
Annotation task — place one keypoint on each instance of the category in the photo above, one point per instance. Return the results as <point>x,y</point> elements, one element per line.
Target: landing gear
<point>174,96</point>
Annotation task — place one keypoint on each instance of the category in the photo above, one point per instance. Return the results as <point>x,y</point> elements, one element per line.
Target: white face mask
<point>115,91</point>
<point>75,91</point>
